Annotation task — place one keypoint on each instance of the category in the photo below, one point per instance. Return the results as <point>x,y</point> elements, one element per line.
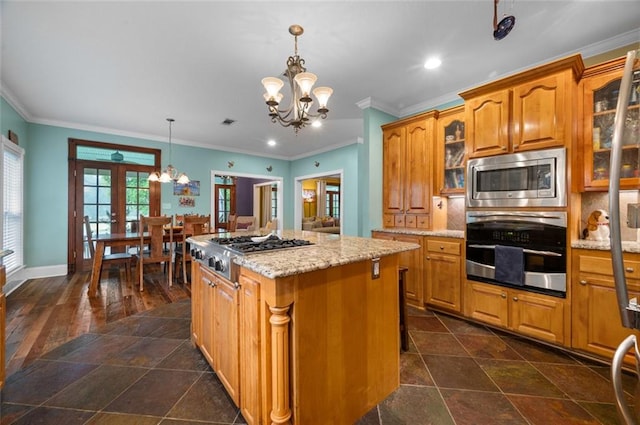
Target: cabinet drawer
<point>410,221</point>
<point>422,222</point>
<point>444,247</point>
<point>388,220</point>
<point>601,265</point>
<point>398,221</point>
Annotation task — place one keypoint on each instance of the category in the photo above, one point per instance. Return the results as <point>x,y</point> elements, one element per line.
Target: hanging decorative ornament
<point>504,27</point>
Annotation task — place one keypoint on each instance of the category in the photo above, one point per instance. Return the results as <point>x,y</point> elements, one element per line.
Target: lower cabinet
<point>215,326</point>
<point>443,268</point>
<point>535,315</point>
<point>597,327</point>
<point>412,260</point>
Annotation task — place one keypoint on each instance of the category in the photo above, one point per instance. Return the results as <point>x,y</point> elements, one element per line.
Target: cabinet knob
<point>504,148</point>
<point>441,247</point>
<point>503,295</point>
<point>428,258</point>
<point>629,269</point>
<point>515,298</point>
<point>583,282</point>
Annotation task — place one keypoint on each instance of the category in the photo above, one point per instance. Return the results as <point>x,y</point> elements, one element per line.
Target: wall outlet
<point>375,268</point>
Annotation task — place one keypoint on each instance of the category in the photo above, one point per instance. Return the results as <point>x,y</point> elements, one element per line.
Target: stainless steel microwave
<point>526,179</point>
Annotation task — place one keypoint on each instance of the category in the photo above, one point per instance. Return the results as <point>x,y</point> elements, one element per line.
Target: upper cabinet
<point>600,87</point>
<point>528,111</point>
<point>407,172</point>
<point>450,151</point>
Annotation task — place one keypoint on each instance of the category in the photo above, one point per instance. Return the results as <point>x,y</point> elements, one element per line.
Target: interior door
<point>113,196</point>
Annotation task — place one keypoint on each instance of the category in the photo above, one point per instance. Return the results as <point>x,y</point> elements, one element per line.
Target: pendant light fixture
<point>170,173</point>
<point>298,113</point>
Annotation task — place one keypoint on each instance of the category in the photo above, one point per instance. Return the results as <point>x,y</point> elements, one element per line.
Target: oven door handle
<point>526,251</point>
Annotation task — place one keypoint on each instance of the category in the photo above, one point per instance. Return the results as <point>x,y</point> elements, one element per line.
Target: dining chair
<point>118,257</point>
<point>152,233</point>
<point>231,223</point>
<point>193,226</point>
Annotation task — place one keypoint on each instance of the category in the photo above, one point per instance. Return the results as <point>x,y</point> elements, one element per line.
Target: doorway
<point>319,195</point>
<point>108,183</point>
<point>254,195</point>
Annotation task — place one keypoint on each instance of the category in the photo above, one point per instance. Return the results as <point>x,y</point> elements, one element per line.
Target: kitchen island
<point>307,335</point>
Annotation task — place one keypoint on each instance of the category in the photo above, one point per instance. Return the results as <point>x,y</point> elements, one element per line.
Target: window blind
<point>13,212</point>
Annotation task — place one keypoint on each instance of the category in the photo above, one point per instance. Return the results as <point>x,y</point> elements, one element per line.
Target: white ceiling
<point>123,67</point>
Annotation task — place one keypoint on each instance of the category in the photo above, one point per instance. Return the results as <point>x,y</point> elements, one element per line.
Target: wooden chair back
<point>195,225</point>
<point>231,223</point>
<point>89,236</point>
<point>156,253</point>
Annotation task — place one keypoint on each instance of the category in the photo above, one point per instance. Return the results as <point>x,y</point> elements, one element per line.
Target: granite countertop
<point>627,246</point>
<point>457,234</point>
<point>328,251</point>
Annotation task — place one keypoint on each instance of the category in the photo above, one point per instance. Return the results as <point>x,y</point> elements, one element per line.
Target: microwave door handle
<point>526,250</point>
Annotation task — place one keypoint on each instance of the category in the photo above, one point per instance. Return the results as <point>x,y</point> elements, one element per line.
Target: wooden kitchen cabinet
<point>250,341</point>
<point>215,326</point>
<point>412,260</point>
<point>443,274</point>
<point>450,152</point>
<point>531,314</point>
<point>596,326</point>
<point>528,111</point>
<point>407,171</point>
<point>600,86</point>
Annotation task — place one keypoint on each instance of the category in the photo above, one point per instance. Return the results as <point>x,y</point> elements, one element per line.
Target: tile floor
<point>143,370</point>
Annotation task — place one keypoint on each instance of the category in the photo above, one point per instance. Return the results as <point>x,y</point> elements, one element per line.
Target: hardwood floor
<point>45,313</point>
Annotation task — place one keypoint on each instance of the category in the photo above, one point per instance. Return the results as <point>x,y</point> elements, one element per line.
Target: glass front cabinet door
<point>450,143</point>
<point>601,86</point>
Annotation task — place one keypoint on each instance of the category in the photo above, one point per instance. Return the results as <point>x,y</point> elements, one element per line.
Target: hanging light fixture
<point>297,114</point>
<point>170,173</point>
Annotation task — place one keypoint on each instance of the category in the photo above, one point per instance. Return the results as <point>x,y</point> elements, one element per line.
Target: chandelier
<point>170,173</point>
<point>298,113</point>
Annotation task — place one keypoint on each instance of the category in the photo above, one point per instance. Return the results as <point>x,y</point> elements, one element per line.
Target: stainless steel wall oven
<point>525,250</point>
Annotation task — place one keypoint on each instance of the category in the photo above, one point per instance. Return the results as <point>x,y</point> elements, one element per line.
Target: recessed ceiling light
<point>432,63</point>
<point>316,124</point>
<point>271,143</point>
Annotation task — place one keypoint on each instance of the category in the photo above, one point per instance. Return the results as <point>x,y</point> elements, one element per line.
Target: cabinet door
<point>450,152</point>
<point>226,342</point>
<point>250,372</point>
<point>393,182</point>
<point>538,316</point>
<point>443,281</point>
<point>540,114</point>
<point>487,120</point>
<point>487,303</point>
<point>417,178</point>
<point>196,304</point>
<point>414,282</point>
<point>207,296</point>
<point>600,94</point>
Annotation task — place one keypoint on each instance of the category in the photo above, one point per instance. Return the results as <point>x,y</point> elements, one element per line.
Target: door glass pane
<point>97,198</point>
<point>137,198</point>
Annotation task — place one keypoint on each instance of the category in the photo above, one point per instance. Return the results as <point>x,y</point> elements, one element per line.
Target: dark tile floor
<point>143,370</point>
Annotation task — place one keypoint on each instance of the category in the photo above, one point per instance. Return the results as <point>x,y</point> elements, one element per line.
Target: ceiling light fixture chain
<point>169,174</point>
<point>297,114</point>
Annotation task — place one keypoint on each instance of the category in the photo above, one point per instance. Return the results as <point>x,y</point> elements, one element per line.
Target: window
<point>333,201</point>
<point>274,201</point>
<point>13,212</point>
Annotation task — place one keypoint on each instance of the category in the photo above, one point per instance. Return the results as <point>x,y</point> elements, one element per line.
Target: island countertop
<point>328,250</point>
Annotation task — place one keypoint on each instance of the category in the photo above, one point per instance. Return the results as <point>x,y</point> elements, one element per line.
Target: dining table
<point>121,240</point>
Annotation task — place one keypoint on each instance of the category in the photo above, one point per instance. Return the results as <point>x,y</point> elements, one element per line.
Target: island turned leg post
<point>280,408</point>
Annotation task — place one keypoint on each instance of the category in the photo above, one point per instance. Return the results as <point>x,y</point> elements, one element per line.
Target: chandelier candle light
<point>297,114</point>
<point>170,173</point>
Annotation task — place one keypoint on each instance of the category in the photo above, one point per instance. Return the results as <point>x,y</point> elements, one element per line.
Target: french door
<point>225,204</point>
<point>112,195</point>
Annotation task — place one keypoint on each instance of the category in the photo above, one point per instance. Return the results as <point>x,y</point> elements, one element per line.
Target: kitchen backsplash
<point>455,214</point>
<point>600,201</point>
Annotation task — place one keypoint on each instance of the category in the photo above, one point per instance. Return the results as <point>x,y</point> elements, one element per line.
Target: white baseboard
<point>16,279</point>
